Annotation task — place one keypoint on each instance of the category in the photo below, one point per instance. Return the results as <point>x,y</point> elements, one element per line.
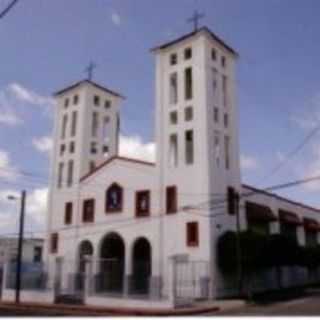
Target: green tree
<point>281,250</point>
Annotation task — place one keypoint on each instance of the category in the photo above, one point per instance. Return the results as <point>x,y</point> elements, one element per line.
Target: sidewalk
<point>68,310</point>
<point>228,305</point>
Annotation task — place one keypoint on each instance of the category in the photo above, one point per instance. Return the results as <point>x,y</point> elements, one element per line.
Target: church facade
<point>132,220</point>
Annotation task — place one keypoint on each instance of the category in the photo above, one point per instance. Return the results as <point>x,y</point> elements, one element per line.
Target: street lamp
<point>10,197</point>
<point>20,241</point>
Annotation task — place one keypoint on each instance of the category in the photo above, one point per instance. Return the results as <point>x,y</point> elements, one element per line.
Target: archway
<point>141,266</point>
<point>112,262</point>
<point>85,249</point>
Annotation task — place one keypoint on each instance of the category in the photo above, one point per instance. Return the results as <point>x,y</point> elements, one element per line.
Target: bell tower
<point>86,131</point>
<point>197,141</point>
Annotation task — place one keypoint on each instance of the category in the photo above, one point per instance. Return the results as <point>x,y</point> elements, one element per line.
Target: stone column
<point>155,287</point>
<point>58,276</point>
<point>88,280</point>
<point>155,281</point>
<point>172,285</point>
<point>127,276</point>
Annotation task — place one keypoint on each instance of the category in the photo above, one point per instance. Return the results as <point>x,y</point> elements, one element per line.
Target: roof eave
<point>187,36</point>
<point>111,159</point>
<point>79,83</point>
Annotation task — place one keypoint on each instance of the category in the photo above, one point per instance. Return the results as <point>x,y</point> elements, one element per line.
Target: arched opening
<point>141,266</point>
<point>85,251</point>
<point>112,262</point>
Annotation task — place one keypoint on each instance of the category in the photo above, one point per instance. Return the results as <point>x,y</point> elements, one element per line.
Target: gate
<point>69,282</point>
<point>140,278</point>
<point>110,278</point>
<point>191,281</point>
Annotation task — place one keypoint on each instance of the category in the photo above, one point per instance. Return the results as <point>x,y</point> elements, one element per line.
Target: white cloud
<point>116,19</point>
<point>7,170</point>
<point>306,122</point>
<point>133,147</point>
<point>37,205</point>
<point>9,118</point>
<point>36,209</point>
<point>249,162</point>
<point>43,144</point>
<point>13,101</point>
<point>308,117</point>
<point>280,156</point>
<point>25,95</point>
<point>130,146</point>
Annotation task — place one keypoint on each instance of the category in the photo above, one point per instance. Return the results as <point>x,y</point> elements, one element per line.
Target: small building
<point>32,258</point>
<point>32,250</point>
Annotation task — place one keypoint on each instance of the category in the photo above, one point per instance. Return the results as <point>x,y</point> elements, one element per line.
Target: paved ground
<point>309,305</point>
<point>290,303</point>
<point>33,309</point>
<point>15,312</point>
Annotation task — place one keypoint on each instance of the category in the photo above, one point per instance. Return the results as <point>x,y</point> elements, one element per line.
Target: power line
<point>92,186</point>
<point>208,205</point>
<point>291,154</point>
<point>8,8</point>
<point>135,220</point>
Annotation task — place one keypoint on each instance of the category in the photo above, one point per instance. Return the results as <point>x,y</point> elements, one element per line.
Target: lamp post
<point>20,242</point>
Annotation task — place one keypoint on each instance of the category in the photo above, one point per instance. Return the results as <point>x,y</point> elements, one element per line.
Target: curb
<point>84,310</point>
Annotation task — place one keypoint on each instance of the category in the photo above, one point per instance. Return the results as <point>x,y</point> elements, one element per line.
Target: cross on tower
<point>195,19</point>
<point>90,69</point>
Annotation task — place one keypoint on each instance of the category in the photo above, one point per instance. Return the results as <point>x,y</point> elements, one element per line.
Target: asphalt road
<point>304,306</point>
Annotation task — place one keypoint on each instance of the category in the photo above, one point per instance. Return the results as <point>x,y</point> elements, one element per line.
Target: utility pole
<point>20,246</point>
<point>239,249</point>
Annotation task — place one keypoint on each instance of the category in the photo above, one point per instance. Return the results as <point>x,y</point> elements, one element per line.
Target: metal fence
<point>109,279</point>
<point>106,277</point>
<point>103,277</point>
<point>191,280</point>
<point>68,280</point>
<point>33,276</point>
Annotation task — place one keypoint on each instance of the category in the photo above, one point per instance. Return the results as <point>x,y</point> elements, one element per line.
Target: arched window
<point>114,198</point>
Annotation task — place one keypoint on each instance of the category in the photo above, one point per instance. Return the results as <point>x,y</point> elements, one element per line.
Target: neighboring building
<point>32,250</point>
<point>134,218</point>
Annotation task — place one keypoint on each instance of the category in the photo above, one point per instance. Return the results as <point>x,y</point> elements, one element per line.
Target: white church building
<point>136,228</point>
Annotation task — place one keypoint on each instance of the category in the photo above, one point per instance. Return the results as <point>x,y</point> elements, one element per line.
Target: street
<point>309,305</point>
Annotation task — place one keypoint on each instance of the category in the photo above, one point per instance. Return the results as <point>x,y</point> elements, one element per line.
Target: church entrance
<point>141,266</point>
<point>112,263</point>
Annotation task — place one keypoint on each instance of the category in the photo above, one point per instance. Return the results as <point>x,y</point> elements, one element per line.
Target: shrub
<point>227,252</point>
<point>252,248</point>
<point>309,257</point>
<point>281,250</point>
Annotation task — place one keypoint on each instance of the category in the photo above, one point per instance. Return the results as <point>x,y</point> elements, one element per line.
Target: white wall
<point>200,182</point>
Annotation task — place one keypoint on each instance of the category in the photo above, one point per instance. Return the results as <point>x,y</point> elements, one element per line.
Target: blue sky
<point>46,45</point>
